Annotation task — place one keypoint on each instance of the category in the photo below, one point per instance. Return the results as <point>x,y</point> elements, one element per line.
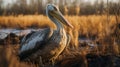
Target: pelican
<point>48,43</point>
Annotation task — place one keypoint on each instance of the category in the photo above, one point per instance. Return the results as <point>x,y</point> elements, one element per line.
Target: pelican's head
<point>53,11</point>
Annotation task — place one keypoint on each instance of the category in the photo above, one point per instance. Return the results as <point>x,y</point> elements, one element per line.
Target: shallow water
<point>89,42</point>
<point>5,32</point>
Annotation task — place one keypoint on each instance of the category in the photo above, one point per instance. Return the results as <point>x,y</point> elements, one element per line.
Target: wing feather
<point>33,42</point>
<point>23,40</point>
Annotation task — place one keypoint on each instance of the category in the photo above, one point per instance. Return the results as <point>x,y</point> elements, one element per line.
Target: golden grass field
<point>92,26</point>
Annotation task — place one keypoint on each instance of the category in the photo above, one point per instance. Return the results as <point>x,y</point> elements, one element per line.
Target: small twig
<point>40,62</point>
<point>108,11</point>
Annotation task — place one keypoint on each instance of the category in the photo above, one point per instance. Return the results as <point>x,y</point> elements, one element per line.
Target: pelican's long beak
<point>60,18</point>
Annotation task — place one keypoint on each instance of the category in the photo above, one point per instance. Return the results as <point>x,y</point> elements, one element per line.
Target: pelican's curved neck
<point>56,22</point>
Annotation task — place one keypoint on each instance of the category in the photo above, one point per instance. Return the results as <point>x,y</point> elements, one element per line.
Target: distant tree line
<point>76,7</point>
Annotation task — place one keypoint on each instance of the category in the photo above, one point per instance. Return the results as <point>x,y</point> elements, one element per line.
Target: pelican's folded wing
<point>34,41</point>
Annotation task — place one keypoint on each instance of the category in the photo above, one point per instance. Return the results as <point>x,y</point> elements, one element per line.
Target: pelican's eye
<point>55,8</point>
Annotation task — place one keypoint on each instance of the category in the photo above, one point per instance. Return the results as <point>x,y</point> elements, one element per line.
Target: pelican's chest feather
<point>59,37</point>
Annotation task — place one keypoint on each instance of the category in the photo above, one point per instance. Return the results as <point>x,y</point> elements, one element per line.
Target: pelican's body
<point>48,43</point>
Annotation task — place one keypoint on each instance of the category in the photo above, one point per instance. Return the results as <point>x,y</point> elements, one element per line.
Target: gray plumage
<point>47,43</point>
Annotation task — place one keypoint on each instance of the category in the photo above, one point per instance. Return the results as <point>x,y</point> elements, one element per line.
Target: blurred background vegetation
<point>97,21</point>
<point>68,7</point>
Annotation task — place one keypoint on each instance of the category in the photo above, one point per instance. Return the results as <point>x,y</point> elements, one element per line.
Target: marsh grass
<point>105,35</point>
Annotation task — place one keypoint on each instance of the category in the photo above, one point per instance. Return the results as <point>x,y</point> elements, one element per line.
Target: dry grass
<point>92,26</point>
<point>84,23</point>
<point>24,21</point>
